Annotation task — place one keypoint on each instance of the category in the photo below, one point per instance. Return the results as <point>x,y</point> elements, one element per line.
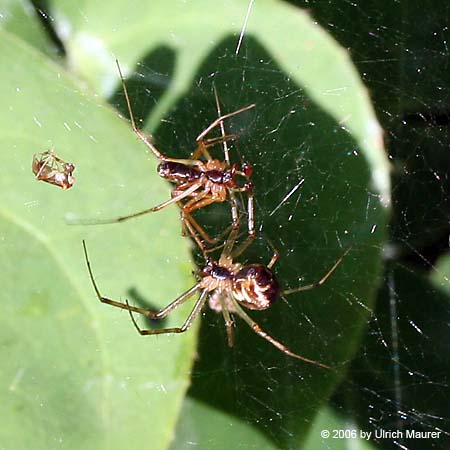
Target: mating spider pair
<point>227,286</point>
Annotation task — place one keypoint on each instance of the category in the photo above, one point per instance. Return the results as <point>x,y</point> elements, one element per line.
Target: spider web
<point>296,196</point>
<point>399,379</point>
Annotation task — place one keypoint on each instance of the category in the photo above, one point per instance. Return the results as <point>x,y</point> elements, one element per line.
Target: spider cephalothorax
<point>204,183</point>
<point>218,275</point>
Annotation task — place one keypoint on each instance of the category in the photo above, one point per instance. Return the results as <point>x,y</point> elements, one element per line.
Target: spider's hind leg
<point>187,324</point>
<point>155,315</point>
<point>260,332</point>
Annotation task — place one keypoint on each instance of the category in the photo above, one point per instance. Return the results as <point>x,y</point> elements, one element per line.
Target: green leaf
<point>440,276</point>
<point>221,431</point>
<point>19,17</point>
<point>224,432</point>
<point>334,432</point>
<point>75,372</point>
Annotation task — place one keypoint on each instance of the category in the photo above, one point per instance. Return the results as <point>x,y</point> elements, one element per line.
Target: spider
<point>199,183</point>
<point>228,286</point>
<point>51,169</point>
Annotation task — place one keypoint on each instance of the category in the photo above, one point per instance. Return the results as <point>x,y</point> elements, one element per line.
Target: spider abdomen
<point>178,172</point>
<point>255,287</point>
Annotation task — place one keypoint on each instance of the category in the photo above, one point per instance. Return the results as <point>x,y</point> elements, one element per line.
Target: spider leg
<point>260,332</point>
<point>248,188</point>
<point>186,162</point>
<point>233,237</point>
<point>250,221</point>
<point>218,140</point>
<point>274,259</point>
<point>321,281</point>
<point>231,240</point>
<point>187,324</point>
<point>275,256</point>
<point>220,119</point>
<point>145,312</point>
<point>205,198</point>
<point>191,224</point>
<point>219,238</point>
<point>202,146</point>
<point>251,214</point>
<point>141,135</point>
<point>228,321</point>
<point>243,246</point>
<point>197,228</point>
<point>199,202</point>
<point>202,198</point>
<point>226,153</point>
<point>136,130</point>
<point>222,127</point>
<point>193,233</point>
<point>201,150</point>
<point>175,199</point>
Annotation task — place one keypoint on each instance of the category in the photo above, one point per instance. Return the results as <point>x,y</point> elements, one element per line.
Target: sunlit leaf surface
<point>75,373</point>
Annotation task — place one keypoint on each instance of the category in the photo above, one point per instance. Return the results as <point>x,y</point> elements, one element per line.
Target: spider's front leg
<point>220,119</point>
<point>140,134</point>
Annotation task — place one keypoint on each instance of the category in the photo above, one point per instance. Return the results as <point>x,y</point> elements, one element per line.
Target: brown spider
<point>227,286</point>
<point>53,170</point>
<point>199,182</point>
